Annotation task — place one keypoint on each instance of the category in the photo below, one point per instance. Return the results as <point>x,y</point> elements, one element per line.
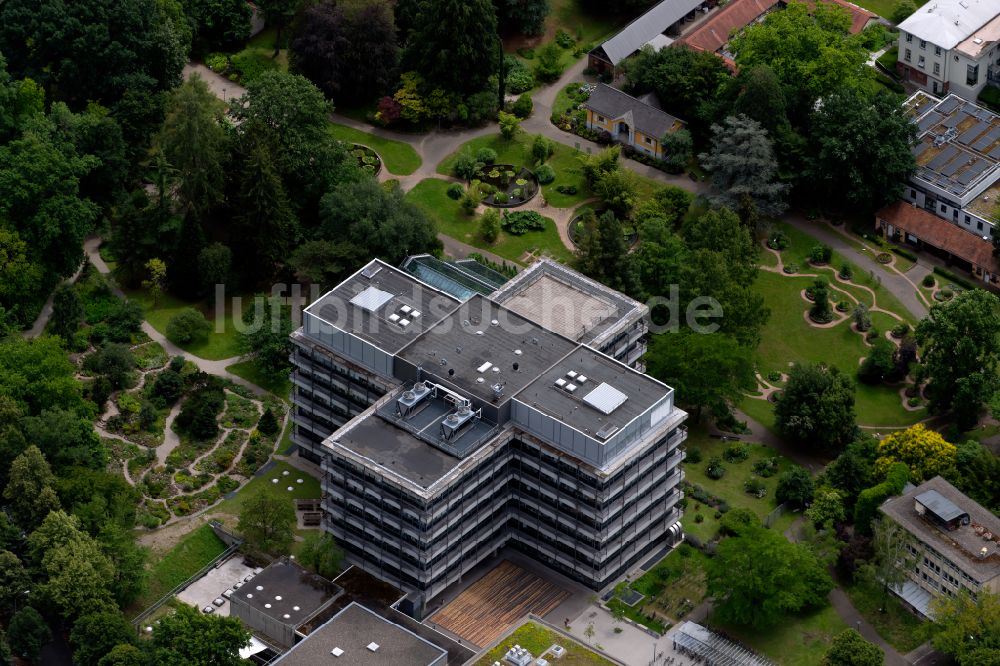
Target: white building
<point>949,46</point>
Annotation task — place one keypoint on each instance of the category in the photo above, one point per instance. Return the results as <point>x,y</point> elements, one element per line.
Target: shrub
<point>168,387</point>
<point>470,200</point>
<point>466,165</point>
<point>736,453</point>
<point>928,281</point>
<point>766,467</point>
<point>698,518</point>
<point>526,53</point>
<point>900,330</point>
<point>549,66</point>
<point>715,469</point>
<point>489,225</point>
<point>251,65</point>
<point>545,174</point>
<point>177,363</point>
<point>268,423</point>
<point>778,240</point>
<point>455,191</point>
<point>693,456</point>
<point>500,198</point>
<point>820,254</point>
<point>903,252</point>
<point>738,520</point>
<point>124,320</point>
<point>755,487</point>
<point>522,106</point>
<point>542,148</point>
<point>197,415</point>
<point>846,272</point>
<point>862,320</point>
<point>521,222</point>
<point>774,376</point>
<point>519,77</point>
<point>188,326</point>
<point>866,508</point>
<point>564,39</point>
<point>114,361</point>
<point>486,155</point>
<point>517,193</point>
<point>217,62</point>
<point>566,189</point>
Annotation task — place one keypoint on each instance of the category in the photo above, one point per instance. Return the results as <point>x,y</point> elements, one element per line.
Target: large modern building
<point>958,543</point>
<point>958,161</point>
<point>949,46</point>
<point>449,429</point>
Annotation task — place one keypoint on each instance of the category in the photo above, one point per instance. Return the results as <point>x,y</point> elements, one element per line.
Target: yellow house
<point>630,121</point>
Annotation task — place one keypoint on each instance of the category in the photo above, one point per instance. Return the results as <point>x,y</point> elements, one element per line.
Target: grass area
<point>220,344</point>
<point>537,639</point>
<point>730,487</point>
<point>889,58</point>
<point>399,158</point>
<point>563,101</point>
<point>586,27</point>
<point>517,151</point>
<point>675,586</point>
<point>430,195</point>
<point>788,338</point>
<point>249,371</point>
<point>635,614</point>
<point>178,564</point>
<point>796,641</point>
<point>899,627</point>
<point>308,489</point>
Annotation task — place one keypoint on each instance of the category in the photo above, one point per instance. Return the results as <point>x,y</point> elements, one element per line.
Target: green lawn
<point>308,489</point>
<point>890,57</point>
<point>400,159</point>
<point>730,486</point>
<point>220,344</point>
<point>248,371</point>
<point>430,195</point>
<point>788,338</point>
<point>517,151</point>
<point>537,639</point>
<point>179,563</point>
<point>795,641</point>
<point>563,101</point>
<point>901,628</point>
<point>586,27</point>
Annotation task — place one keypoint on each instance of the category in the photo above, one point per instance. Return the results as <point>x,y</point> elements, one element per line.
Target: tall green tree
<point>15,584</point>
<point>67,311</point>
<point>128,558</point>
<point>758,577</point>
<point>320,554</point>
<point>278,13</point>
<point>895,556</point>
<point>95,50</point>
<point>194,639</point>
<point>526,17</point>
<point>123,654</point>
<point>961,355</point>
<point>849,648</point>
<point>267,521</point>
<point>816,408</point>
<point>36,375</point>
<point>707,371</point>
<point>28,633</point>
<point>194,143</point>
<point>968,629</point>
<point>743,164</point>
<point>861,150</point>
<point>603,253</point>
<point>219,25</point>
<point>20,275</point>
<point>453,43</point>
<point>96,634</point>
<point>30,492</point>
<point>760,97</point>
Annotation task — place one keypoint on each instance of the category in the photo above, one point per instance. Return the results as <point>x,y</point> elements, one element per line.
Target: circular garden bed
<point>367,158</point>
<point>576,228</point>
<point>506,186</point>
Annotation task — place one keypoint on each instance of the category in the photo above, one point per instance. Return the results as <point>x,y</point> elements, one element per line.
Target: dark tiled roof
<point>615,104</point>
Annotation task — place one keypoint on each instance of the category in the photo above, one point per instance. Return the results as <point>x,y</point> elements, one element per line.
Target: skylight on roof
<point>605,398</point>
<point>371,299</point>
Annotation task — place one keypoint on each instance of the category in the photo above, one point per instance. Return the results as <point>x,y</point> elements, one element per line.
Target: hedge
<point>951,277</point>
<point>871,499</point>
<point>906,254</point>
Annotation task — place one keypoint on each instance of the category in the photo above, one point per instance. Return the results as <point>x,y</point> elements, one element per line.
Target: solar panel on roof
<point>970,134</point>
<point>920,148</point>
<point>605,398</point>
<point>951,167</point>
<point>949,105</point>
<point>943,157</point>
<point>371,299</point>
<point>956,119</point>
<point>973,172</point>
<point>930,120</point>
<point>985,141</point>
<point>995,153</point>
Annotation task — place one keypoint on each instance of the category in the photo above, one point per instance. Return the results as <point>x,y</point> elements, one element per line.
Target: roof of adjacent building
<point>571,304</point>
<point>964,546</point>
<point>714,32</point>
<point>287,592</point>
<point>646,28</point>
<point>355,306</point>
<point>940,233</point>
<point>616,105</point>
<point>946,23</point>
<point>460,279</point>
<point>958,143</point>
<point>360,637</point>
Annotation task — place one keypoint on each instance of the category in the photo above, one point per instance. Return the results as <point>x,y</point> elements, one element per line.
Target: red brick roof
<point>713,34</point>
<point>940,233</point>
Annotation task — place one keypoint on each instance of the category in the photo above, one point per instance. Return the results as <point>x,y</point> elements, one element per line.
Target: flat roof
<point>963,545</point>
<point>287,592</point>
<point>360,637</point>
<point>481,340</point>
<point>376,302</point>
<point>574,409</point>
<point>562,300</point>
<point>958,143</point>
<point>946,23</point>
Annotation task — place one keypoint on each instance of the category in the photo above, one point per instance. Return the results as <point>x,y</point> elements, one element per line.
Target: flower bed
<point>367,158</point>
<point>506,186</point>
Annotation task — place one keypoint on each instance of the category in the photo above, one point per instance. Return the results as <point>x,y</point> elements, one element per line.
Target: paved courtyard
<point>209,587</point>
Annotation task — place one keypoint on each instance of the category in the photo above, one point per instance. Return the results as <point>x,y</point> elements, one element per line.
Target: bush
<point>820,254</point>
<point>951,277</point>
<point>778,240</point>
<point>455,191</point>
<point>549,67</point>
<point>545,174</point>
<point>738,520</point>
<point>466,166</point>
<point>542,148</point>
<point>489,225</point>
<point>500,198</point>
<point>906,254</point>
<point>217,62</point>
<point>114,361</point>
<point>564,39</point>
<point>188,326</point>
<point>766,468</point>
<point>755,487</point>
<point>526,52</point>
<point>736,453</point>
<point>124,320</point>
<point>566,189</point>
<point>521,222</point>
<point>251,65</point>
<point>471,199</point>
<point>846,272</point>
<point>900,330</point>
<point>486,155</point>
<point>693,456</point>
<point>522,106</point>
<point>698,518</point>
<point>928,281</point>
<point>519,77</point>
<point>168,387</point>
<point>198,414</point>
<point>268,423</point>
<point>715,469</point>
<point>866,508</point>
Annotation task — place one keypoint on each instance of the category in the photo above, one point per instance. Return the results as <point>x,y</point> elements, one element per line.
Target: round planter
<point>529,190</point>
<point>361,152</point>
